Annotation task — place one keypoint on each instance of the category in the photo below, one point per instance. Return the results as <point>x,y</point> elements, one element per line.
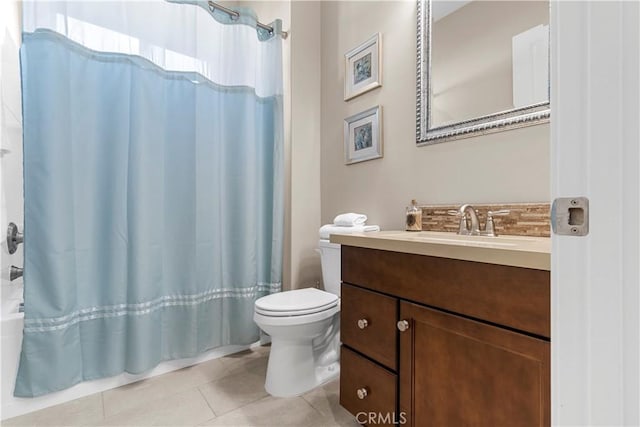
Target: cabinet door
<point>460,372</point>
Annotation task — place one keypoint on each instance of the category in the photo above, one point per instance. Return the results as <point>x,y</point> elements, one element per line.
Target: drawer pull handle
<point>362,393</point>
<point>363,323</point>
<point>403,325</point>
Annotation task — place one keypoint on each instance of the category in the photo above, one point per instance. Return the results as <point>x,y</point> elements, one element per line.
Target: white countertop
<point>516,251</point>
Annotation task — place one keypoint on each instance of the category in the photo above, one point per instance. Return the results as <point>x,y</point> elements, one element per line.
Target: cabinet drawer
<point>359,373</point>
<point>515,297</point>
<point>368,324</point>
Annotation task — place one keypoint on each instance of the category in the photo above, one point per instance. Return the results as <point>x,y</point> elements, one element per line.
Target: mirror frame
<point>531,115</point>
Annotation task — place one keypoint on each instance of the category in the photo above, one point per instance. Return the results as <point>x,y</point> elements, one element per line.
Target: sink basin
<point>517,251</point>
<point>462,240</point>
<point>455,239</point>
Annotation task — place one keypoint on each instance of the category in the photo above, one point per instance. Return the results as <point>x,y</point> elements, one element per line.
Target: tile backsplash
<point>524,219</point>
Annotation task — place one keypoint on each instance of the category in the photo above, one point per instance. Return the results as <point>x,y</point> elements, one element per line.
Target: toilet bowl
<point>304,326</point>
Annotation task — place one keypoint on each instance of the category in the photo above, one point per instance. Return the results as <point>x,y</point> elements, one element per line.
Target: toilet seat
<point>299,302</point>
<point>295,312</point>
<point>297,320</point>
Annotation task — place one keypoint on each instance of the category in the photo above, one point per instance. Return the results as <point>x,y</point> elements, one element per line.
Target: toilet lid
<point>297,301</point>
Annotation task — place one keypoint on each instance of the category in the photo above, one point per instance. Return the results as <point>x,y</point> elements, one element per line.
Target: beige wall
<point>305,142</point>
<point>510,166</point>
<point>301,266</point>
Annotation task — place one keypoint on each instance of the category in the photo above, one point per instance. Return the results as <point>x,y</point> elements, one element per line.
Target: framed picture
<point>362,71</point>
<point>363,136</point>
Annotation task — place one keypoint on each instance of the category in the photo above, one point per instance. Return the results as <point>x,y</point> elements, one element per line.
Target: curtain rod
<point>235,15</point>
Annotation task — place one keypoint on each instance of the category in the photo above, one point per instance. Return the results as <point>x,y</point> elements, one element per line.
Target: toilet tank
<point>330,258</point>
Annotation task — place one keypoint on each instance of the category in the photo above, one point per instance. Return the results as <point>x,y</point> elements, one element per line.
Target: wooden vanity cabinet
<point>465,357</point>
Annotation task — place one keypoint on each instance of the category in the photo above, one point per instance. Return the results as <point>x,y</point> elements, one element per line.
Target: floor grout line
<point>319,414</point>
<point>227,377</point>
<point>244,405</point>
<point>207,402</point>
<point>174,391</point>
<point>229,374</point>
<point>104,413</point>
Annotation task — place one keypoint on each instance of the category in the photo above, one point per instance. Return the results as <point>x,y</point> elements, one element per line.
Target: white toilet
<point>304,326</point>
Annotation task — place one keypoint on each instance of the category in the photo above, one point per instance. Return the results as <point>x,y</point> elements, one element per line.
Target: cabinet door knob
<point>403,325</point>
<point>363,323</point>
<point>362,393</point>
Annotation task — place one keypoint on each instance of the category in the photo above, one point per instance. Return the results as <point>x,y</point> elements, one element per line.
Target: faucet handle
<point>462,227</point>
<point>489,229</point>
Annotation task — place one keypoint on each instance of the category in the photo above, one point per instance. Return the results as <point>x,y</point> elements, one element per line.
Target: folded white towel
<point>349,219</point>
<point>328,229</point>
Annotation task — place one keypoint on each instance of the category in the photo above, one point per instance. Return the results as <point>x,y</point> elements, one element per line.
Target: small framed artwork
<point>362,71</point>
<point>363,136</point>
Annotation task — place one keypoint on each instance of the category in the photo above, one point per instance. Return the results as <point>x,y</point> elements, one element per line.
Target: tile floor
<point>223,392</point>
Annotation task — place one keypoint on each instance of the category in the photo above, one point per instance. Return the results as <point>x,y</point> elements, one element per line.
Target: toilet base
<point>292,372</point>
<point>298,366</point>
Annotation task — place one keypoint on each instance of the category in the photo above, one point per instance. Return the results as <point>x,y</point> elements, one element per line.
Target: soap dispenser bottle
<point>414,217</point>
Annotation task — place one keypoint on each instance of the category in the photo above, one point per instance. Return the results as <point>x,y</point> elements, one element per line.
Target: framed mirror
<point>482,67</point>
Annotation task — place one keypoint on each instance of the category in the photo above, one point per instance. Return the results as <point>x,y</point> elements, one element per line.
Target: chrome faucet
<point>473,229</point>
<point>470,224</point>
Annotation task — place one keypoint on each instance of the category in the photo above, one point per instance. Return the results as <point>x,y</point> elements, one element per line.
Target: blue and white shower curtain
<point>153,171</point>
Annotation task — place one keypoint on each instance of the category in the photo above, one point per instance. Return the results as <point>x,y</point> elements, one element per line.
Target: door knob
<point>403,325</point>
<point>363,323</point>
<point>362,393</point>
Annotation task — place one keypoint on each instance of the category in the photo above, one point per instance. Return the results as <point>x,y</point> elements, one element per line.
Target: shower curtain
<point>153,174</point>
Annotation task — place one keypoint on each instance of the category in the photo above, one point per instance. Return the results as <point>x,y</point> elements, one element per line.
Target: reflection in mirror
<point>483,67</point>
